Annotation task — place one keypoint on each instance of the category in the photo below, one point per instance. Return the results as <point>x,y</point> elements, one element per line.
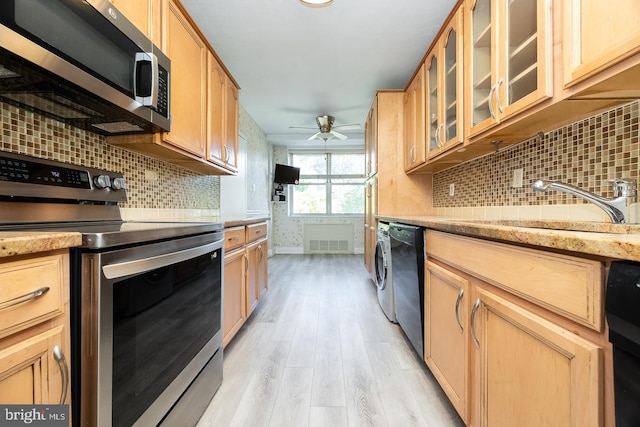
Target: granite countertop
<point>248,220</point>
<point>617,241</point>
<point>29,242</point>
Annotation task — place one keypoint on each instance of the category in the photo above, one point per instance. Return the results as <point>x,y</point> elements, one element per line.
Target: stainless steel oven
<point>146,297</point>
<point>150,319</point>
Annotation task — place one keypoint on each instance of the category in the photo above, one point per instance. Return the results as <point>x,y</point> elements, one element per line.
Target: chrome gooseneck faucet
<point>624,191</point>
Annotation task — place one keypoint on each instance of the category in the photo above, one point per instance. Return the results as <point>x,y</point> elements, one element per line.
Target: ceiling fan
<point>327,130</point>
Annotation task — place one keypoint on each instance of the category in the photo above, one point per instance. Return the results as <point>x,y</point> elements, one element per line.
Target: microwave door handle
<point>149,98</point>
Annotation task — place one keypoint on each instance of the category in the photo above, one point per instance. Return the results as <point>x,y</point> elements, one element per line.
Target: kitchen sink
<point>588,226</point>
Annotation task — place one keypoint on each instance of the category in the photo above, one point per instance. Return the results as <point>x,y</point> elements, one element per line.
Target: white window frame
<point>327,177</point>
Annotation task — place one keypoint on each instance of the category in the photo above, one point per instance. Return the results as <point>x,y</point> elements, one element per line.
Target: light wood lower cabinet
<point>235,312</point>
<point>256,273</point>
<point>446,333</point>
<point>245,275</point>
<point>34,329</point>
<point>29,372</point>
<point>502,342</point>
<point>531,372</point>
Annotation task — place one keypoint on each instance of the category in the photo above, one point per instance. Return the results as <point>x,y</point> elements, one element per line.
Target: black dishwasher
<point>407,272</point>
<point>622,309</point>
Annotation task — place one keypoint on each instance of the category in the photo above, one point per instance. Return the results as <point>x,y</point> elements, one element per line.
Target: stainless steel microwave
<point>83,63</point>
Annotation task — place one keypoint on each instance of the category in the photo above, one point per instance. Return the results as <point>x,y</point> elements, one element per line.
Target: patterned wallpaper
<point>585,154</point>
<point>152,184</point>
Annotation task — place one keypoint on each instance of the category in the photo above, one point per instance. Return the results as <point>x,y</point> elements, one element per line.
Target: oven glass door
<point>161,320</point>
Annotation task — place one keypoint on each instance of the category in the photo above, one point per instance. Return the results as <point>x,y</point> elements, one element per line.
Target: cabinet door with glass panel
<point>444,89</point>
<point>508,62</point>
<point>330,183</point>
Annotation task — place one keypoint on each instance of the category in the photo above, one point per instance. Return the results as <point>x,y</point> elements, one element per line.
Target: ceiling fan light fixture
<point>316,3</point>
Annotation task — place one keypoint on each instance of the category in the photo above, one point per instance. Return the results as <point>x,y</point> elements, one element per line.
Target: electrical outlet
<point>452,190</point>
<point>517,178</point>
<point>150,175</point>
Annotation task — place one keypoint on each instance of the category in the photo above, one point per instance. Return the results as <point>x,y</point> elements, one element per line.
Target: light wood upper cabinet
<point>144,14</point>
<point>414,122</point>
<point>188,54</point>
<point>598,35</point>
<point>222,116</point>
<point>444,98</point>
<point>508,63</point>
<point>204,97</point>
<point>531,372</point>
<point>231,127</point>
<point>446,333</point>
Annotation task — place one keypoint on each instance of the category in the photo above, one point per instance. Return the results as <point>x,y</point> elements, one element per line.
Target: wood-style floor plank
<point>318,351</point>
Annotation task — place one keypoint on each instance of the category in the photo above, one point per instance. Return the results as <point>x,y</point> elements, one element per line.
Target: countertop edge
<point>228,223</point>
<point>14,243</point>
<point>608,245</point>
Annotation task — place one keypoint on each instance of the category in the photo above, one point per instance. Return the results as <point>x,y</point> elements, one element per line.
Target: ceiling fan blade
<point>314,136</point>
<point>353,126</point>
<point>302,127</point>
<point>338,135</point>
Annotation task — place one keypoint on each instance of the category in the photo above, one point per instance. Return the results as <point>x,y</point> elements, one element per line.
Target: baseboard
<point>289,251</point>
<point>300,251</point>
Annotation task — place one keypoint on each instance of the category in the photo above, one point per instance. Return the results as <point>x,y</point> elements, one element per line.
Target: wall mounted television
<point>285,174</point>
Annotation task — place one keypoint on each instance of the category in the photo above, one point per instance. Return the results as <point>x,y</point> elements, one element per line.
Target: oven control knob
<point>118,184</point>
<point>102,181</point>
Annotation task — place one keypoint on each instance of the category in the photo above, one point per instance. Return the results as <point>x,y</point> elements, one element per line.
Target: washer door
<point>381,266</point>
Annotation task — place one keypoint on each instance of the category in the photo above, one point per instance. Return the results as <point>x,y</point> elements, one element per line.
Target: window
<point>330,183</point>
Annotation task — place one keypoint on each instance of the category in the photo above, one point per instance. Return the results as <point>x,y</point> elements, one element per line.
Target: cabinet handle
<point>231,239</point>
<point>246,264</point>
<point>412,154</point>
<point>64,372</point>
<point>491,92</point>
<point>258,231</point>
<point>260,253</point>
<point>473,322</point>
<point>226,153</point>
<point>24,298</point>
<point>439,142</point>
<point>498,103</point>
<point>458,309</point>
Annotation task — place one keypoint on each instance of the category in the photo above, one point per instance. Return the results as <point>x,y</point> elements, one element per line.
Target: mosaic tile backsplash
<point>151,183</point>
<point>585,154</point>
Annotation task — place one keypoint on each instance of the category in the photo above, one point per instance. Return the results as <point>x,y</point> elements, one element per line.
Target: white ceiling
<point>294,63</point>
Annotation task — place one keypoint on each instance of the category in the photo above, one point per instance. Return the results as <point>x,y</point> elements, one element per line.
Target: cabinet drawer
<point>31,291</point>
<point>567,285</point>
<point>233,238</point>
<point>256,231</point>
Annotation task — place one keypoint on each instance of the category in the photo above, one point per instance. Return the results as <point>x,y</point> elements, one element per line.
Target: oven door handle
<point>139,266</point>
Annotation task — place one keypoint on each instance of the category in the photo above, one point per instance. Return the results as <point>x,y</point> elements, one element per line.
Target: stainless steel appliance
<point>384,276</point>
<point>146,297</point>
<point>407,260</point>
<point>621,308</point>
<point>82,62</point>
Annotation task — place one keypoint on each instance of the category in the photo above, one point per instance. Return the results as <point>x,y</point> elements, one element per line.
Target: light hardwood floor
<point>319,351</point>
